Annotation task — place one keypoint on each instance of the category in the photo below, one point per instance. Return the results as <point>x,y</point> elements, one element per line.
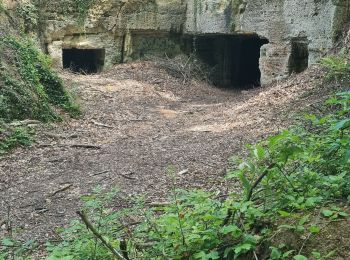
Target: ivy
<point>29,88</point>
<point>82,7</point>
<point>29,13</point>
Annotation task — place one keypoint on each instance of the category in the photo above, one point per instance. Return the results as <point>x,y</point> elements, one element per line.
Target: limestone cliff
<point>289,34</point>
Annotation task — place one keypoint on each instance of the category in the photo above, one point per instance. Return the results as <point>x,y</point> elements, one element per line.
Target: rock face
<point>279,36</point>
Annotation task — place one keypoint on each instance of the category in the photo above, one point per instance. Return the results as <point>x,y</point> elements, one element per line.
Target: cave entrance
<point>299,57</point>
<point>234,59</point>
<point>85,61</point>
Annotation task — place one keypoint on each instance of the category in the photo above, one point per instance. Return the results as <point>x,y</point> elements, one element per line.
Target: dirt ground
<point>137,121</point>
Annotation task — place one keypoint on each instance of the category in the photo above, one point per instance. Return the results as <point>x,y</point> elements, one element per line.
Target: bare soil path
<point>138,120</point>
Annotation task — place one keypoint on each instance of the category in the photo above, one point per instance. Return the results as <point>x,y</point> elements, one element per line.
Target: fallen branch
<point>183,172</point>
<point>101,124</point>
<point>59,136</point>
<point>87,146</point>
<point>127,176</point>
<point>25,122</point>
<point>61,189</point>
<point>54,136</point>
<point>159,204</point>
<point>258,180</point>
<point>55,160</point>
<point>99,173</point>
<point>89,226</point>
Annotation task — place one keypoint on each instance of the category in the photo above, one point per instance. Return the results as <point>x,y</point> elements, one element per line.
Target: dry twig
<point>101,124</point>
<point>89,226</point>
<point>64,188</point>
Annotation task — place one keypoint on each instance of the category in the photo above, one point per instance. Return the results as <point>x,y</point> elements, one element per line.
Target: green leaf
<point>231,229</point>
<point>300,228</point>
<point>259,152</point>
<point>314,229</point>
<point>287,254</point>
<point>342,124</point>
<point>284,213</point>
<point>311,202</point>
<point>245,182</point>
<point>304,219</point>
<point>275,253</point>
<point>290,227</point>
<point>299,257</point>
<point>242,248</point>
<point>327,213</point>
<point>343,214</point>
<point>204,256</point>
<point>8,242</point>
<point>316,255</point>
<point>213,255</point>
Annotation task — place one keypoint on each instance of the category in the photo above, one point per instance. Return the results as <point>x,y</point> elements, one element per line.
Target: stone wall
<point>111,25</point>
<point>129,29</point>
<point>315,22</point>
<point>281,22</point>
<point>209,16</point>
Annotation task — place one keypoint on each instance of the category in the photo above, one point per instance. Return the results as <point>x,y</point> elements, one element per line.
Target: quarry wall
<point>290,34</point>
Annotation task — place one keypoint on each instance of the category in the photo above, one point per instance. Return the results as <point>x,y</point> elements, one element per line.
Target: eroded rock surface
<point>299,32</point>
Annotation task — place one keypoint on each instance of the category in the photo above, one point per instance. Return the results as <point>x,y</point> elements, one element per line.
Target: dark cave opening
<point>299,57</point>
<point>87,61</point>
<point>234,59</point>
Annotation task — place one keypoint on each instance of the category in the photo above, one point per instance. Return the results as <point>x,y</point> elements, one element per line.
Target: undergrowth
<point>338,68</point>
<point>286,181</point>
<point>11,137</point>
<point>28,86</point>
<point>29,89</point>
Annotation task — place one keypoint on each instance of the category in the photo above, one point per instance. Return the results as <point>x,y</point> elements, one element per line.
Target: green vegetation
<point>12,137</point>
<point>1,6</point>
<point>295,182</point>
<point>338,68</point>
<point>30,14</point>
<point>82,7</point>
<point>17,250</point>
<point>29,89</point>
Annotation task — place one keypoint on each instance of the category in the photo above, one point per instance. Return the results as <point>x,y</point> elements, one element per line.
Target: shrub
<point>338,68</point>
<point>11,137</point>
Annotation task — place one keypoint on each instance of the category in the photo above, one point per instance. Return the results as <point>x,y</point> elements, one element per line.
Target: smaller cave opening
<point>86,61</point>
<point>234,59</point>
<point>299,56</point>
